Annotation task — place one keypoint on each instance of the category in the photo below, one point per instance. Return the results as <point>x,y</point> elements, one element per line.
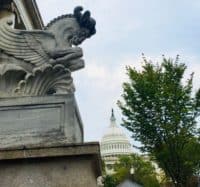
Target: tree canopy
<point>161,112</point>
<point>144,172</point>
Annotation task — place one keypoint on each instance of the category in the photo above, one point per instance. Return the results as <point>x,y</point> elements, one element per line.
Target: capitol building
<point>114,143</point>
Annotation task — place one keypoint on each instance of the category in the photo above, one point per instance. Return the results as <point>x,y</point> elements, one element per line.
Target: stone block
<point>75,165</point>
<point>39,121</point>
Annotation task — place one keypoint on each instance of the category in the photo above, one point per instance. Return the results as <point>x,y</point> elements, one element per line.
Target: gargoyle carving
<point>40,49</point>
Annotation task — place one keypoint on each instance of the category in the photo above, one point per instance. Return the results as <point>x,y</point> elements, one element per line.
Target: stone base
<point>39,121</point>
<point>76,165</point>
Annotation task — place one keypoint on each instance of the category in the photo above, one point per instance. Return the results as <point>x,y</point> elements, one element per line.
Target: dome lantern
<point>112,119</point>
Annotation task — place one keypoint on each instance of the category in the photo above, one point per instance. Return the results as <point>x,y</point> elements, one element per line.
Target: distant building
<point>114,143</point>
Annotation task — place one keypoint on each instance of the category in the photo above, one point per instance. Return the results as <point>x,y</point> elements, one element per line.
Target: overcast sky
<point>125,29</point>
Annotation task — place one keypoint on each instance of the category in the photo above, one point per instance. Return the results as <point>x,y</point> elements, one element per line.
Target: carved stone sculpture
<point>40,62</point>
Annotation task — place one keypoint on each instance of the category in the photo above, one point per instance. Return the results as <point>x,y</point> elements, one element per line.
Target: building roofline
<point>32,6</point>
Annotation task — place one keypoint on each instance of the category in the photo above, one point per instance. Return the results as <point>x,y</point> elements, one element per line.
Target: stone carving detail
<point>49,80</point>
<point>40,62</point>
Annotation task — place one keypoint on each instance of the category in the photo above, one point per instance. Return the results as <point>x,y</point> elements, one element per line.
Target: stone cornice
<point>29,14</point>
<point>35,15</point>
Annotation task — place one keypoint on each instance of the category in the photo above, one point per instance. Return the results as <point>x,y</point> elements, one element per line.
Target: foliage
<point>161,113</point>
<point>144,171</point>
<point>109,181</point>
<point>103,167</point>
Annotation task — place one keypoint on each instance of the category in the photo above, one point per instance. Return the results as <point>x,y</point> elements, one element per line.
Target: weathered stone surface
<point>76,165</point>
<point>44,121</point>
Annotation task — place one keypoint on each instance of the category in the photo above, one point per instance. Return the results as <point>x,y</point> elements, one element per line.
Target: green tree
<point>161,113</point>
<point>109,181</point>
<point>144,171</point>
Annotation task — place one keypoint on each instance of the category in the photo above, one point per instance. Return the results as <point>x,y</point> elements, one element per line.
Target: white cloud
<point>106,76</point>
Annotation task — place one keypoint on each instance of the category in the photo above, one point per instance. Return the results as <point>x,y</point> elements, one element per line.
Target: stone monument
<point>41,132</point>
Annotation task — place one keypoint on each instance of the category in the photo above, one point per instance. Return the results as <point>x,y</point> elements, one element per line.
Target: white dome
<point>114,133</point>
<point>114,142</point>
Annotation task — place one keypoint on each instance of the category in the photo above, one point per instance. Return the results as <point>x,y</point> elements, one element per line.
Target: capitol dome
<point>114,143</point>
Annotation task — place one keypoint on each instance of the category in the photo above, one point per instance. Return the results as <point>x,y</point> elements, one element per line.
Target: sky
<point>125,30</point>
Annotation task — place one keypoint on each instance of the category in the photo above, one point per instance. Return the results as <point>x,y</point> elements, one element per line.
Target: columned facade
<point>114,144</point>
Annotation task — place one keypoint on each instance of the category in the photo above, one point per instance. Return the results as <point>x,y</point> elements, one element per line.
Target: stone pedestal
<point>75,165</point>
<point>41,144</point>
<point>39,121</point>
